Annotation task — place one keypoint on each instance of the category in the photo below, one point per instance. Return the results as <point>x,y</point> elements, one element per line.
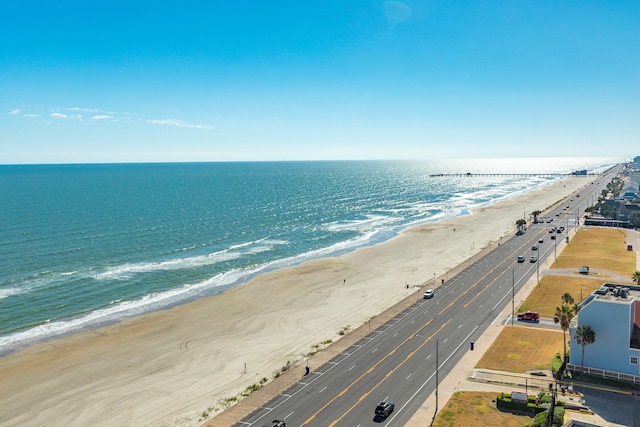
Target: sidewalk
<point>457,380</point>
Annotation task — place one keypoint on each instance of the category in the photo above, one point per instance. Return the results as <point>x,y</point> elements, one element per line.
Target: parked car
<point>520,258</point>
<point>533,258</point>
<point>384,408</point>
<point>429,293</point>
<point>529,316</point>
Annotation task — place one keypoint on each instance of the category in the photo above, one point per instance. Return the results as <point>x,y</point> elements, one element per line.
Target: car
<point>534,247</point>
<point>520,258</point>
<point>558,214</point>
<point>529,316</point>
<point>275,423</point>
<point>533,258</point>
<point>541,240</point>
<point>553,237</point>
<point>559,231</point>
<point>429,293</point>
<point>384,408</point>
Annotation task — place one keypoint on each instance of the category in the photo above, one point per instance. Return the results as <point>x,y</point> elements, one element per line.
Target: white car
<point>429,293</point>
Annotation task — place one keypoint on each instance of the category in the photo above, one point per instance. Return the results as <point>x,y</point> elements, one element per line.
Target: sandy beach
<point>168,367</point>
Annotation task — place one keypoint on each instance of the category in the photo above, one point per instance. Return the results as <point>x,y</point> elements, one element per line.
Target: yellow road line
<point>390,373</point>
<point>366,373</point>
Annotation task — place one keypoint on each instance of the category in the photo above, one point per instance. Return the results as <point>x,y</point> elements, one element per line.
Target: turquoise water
<point>84,245</point>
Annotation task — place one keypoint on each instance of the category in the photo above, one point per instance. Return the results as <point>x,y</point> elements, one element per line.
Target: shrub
<point>504,403</point>
<point>540,419</point>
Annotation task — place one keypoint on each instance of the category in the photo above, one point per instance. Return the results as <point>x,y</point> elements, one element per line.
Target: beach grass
<point>599,248</point>
<point>475,408</point>
<point>522,349</point>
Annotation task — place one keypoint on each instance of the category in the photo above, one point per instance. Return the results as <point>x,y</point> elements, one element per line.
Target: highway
<point>397,361</point>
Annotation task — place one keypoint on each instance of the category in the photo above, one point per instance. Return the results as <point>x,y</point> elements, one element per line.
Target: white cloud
<point>178,123</point>
<point>396,12</point>
<point>32,115</point>
<point>85,110</point>
<point>101,117</point>
<point>66,116</point>
<point>13,112</point>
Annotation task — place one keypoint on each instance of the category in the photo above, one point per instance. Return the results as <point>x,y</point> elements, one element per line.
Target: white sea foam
<point>7,292</point>
<point>117,310</point>
<point>126,271</point>
<point>370,222</point>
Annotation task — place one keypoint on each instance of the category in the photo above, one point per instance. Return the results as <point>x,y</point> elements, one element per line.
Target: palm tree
<point>535,215</point>
<point>563,316</point>
<point>636,277</point>
<point>567,298</point>
<point>520,224</point>
<point>576,308</point>
<point>584,336</point>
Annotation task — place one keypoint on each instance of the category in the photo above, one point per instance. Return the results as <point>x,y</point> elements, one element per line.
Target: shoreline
<point>26,338</point>
<point>168,366</point>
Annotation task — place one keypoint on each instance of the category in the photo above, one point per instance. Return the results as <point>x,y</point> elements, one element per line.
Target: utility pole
<point>513,294</point>
<point>436,411</point>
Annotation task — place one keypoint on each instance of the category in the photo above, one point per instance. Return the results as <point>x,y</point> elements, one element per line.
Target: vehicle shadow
<point>379,419</point>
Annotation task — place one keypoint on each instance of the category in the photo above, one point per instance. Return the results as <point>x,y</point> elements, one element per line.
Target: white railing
<point>603,373</point>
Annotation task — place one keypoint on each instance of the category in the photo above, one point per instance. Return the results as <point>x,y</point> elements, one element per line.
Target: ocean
<point>88,245</point>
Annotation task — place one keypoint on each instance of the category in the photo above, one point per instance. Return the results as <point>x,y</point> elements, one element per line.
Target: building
<point>613,312</point>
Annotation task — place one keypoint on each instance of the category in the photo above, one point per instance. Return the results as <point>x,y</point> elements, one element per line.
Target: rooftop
<point>616,292</point>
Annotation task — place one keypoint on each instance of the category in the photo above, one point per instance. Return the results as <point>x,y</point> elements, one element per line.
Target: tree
<point>584,336</point>
<point>535,215</point>
<point>576,308</point>
<point>567,299</point>
<point>563,316</point>
<point>636,277</point>
<point>520,224</point>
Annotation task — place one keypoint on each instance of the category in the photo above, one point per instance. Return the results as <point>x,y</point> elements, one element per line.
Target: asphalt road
<point>615,408</point>
<point>397,361</point>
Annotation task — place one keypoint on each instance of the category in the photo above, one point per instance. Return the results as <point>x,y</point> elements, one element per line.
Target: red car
<point>530,316</point>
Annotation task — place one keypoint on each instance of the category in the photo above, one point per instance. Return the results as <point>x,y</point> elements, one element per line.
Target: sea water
<point>86,245</point>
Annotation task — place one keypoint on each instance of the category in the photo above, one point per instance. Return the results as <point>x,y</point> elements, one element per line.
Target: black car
<point>275,423</point>
<point>384,408</point>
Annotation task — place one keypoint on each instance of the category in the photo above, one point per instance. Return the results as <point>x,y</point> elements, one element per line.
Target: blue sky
<point>126,81</point>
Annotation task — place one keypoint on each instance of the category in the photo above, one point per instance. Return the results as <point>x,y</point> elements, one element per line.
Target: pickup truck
<point>529,316</point>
